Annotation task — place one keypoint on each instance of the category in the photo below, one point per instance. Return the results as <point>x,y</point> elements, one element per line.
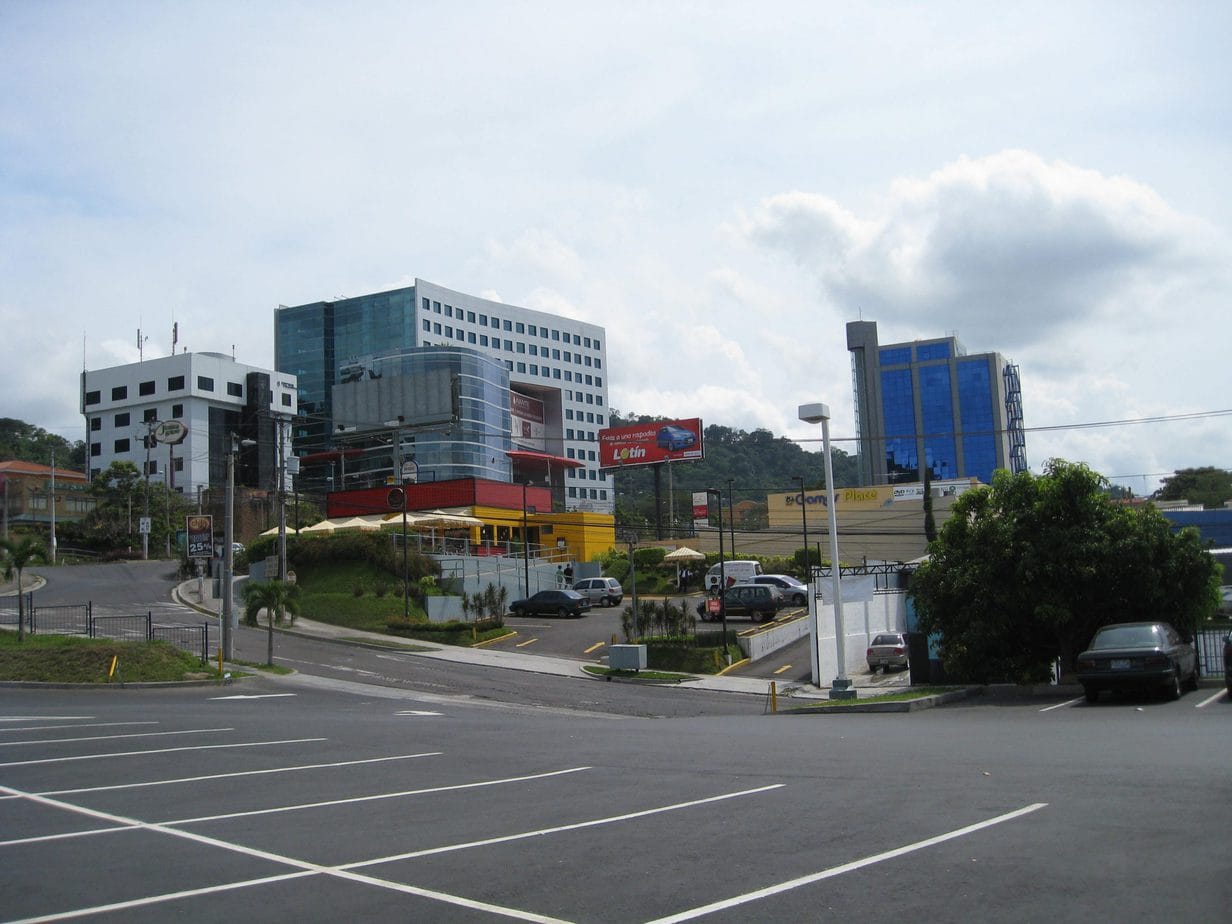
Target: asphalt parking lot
<point>316,800</point>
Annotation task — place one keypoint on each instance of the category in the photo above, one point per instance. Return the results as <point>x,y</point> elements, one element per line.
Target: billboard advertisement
<point>650,443</point>
<point>527,420</point>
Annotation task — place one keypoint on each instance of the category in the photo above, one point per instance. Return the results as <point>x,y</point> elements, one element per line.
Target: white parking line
<point>1211,699</point>
<point>41,718</point>
<point>193,747</point>
<point>1068,702</point>
<point>227,776</point>
<point>845,867</point>
<point>83,725</point>
<point>186,731</point>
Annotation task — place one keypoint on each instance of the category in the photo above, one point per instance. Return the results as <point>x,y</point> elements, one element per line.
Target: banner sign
<point>701,508</point>
<point>650,443</point>
<point>529,428</point>
<point>200,536</point>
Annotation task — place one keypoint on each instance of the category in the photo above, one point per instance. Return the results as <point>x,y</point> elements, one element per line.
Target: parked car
<point>1138,656</point>
<point>673,438</point>
<point>551,603</point>
<point>604,591</point>
<point>1227,662</point>
<point>792,590</point>
<point>746,601</point>
<point>889,649</point>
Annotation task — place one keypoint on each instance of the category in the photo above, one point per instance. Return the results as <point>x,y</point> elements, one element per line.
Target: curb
<point>914,705</point>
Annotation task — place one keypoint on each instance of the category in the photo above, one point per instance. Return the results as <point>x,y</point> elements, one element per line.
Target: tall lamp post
<point>715,492</point>
<point>228,554</point>
<point>841,688</point>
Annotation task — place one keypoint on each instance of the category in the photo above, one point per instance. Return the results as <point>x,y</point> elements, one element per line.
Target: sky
<point>722,186</point>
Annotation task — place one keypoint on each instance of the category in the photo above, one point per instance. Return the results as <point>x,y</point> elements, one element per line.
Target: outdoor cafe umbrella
<point>273,531</point>
<point>685,554</point>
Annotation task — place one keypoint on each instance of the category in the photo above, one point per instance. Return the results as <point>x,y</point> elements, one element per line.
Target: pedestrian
<point>569,574</point>
<point>684,579</point>
<point>560,576</point>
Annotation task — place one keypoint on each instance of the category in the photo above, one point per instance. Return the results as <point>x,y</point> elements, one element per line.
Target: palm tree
<point>17,554</point>
<point>276,598</point>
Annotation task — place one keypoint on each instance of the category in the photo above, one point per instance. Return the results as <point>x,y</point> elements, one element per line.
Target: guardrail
<point>79,619</point>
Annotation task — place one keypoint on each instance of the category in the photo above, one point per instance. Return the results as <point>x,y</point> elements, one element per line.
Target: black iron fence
<point>1209,642</point>
<point>79,619</point>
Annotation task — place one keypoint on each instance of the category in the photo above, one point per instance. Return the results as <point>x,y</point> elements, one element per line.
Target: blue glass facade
<point>929,404</point>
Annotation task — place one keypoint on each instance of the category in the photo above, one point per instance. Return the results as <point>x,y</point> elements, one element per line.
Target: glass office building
<point>557,363</point>
<point>929,406</point>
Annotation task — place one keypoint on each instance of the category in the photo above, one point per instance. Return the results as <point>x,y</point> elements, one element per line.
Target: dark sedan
<point>1227,662</point>
<point>746,601</point>
<point>1138,656</point>
<point>551,603</point>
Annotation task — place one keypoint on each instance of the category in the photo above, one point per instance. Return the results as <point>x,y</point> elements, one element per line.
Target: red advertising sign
<point>649,443</point>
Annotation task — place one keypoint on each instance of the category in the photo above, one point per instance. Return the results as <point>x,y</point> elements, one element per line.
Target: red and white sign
<point>650,443</point>
<point>528,424</point>
<point>701,508</point>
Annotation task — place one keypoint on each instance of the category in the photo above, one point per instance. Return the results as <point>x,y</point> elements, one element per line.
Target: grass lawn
<point>74,659</point>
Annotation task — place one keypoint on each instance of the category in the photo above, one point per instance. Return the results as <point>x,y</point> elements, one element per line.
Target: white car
<point>793,591</point>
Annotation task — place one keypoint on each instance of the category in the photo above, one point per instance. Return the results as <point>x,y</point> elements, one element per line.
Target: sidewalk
<point>187,594</point>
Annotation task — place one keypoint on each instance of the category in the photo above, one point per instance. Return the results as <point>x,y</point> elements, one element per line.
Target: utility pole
<point>228,560</point>
<point>53,510</point>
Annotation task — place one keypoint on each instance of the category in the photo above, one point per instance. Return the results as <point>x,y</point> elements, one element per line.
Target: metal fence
<point>1209,643</point>
<point>79,619</point>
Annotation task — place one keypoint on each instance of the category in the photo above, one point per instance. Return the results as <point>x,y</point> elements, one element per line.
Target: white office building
<point>217,399</point>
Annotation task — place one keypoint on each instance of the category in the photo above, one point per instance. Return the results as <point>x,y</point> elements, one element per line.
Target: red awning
<point>522,455</point>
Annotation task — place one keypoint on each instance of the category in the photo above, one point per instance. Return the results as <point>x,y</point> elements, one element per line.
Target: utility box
<point>627,657</point>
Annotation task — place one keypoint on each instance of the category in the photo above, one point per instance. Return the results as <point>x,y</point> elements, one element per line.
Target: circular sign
<point>396,498</point>
<point>170,431</point>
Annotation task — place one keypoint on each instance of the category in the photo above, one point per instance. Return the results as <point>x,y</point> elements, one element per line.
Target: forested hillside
<point>23,442</point>
<point>751,465</point>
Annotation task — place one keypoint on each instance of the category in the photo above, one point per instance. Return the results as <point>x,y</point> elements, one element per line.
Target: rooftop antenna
<point>141,346</point>
<point>175,335</point>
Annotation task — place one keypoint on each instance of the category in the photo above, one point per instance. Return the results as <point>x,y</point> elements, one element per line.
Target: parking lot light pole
<point>715,492</point>
<point>841,688</point>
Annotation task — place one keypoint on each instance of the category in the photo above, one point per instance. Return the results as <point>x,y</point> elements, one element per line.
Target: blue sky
<point>722,186</point>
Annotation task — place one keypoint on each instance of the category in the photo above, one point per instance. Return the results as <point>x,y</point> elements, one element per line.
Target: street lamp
<point>228,553</point>
<point>715,492</point>
<point>841,688</point>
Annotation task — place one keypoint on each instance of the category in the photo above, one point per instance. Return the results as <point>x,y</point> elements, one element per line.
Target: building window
<point>149,415</point>
<point>235,389</point>
<point>470,337</point>
<point>93,397</point>
<point>568,376</point>
<point>121,446</point>
<point>495,322</point>
<point>449,311</point>
<point>96,449</point>
<point>568,434</point>
<point>175,383</point>
<point>427,325</point>
<point>426,306</point>
<point>520,328</point>
<point>470,317</point>
<point>509,364</point>
<point>483,339</point>
<point>521,347</point>
<point>145,388</point>
<point>286,399</point>
<point>205,383</point>
<point>508,346</point>
<point>507,324</point>
<point>436,306</point>
<point>534,369</point>
<point>598,381</point>
<point>598,364</point>
<point>119,393</point>
<point>177,411</point>
<point>555,373</point>
<point>459,334</point>
<point>483,320</point>
<point>448,331</point>
<point>122,420</point>
<point>569,416</point>
<point>436,328</point>
<point>532,330</point>
<point>96,423</point>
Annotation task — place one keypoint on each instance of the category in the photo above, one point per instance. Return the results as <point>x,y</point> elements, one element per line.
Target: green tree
<point>277,598</point>
<point>1026,570</point>
<point>1209,486</point>
<point>28,443</point>
<point>17,554</point>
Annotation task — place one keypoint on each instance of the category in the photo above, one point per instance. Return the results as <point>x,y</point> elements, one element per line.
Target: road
<point>307,799</point>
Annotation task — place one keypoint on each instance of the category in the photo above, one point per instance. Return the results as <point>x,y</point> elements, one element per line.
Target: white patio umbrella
<point>273,531</point>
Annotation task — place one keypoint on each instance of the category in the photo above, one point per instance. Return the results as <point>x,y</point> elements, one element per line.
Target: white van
<point>740,570</point>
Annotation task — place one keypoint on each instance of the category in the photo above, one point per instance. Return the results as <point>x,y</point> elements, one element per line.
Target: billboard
<point>527,420</point>
<point>650,443</point>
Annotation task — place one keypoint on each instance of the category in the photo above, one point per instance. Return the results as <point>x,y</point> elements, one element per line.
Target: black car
<point>1138,656</point>
<point>551,603</point>
<point>746,601</point>
<point>1227,662</point>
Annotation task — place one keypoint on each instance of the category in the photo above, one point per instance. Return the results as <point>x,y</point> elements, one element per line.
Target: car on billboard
<point>673,438</point>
